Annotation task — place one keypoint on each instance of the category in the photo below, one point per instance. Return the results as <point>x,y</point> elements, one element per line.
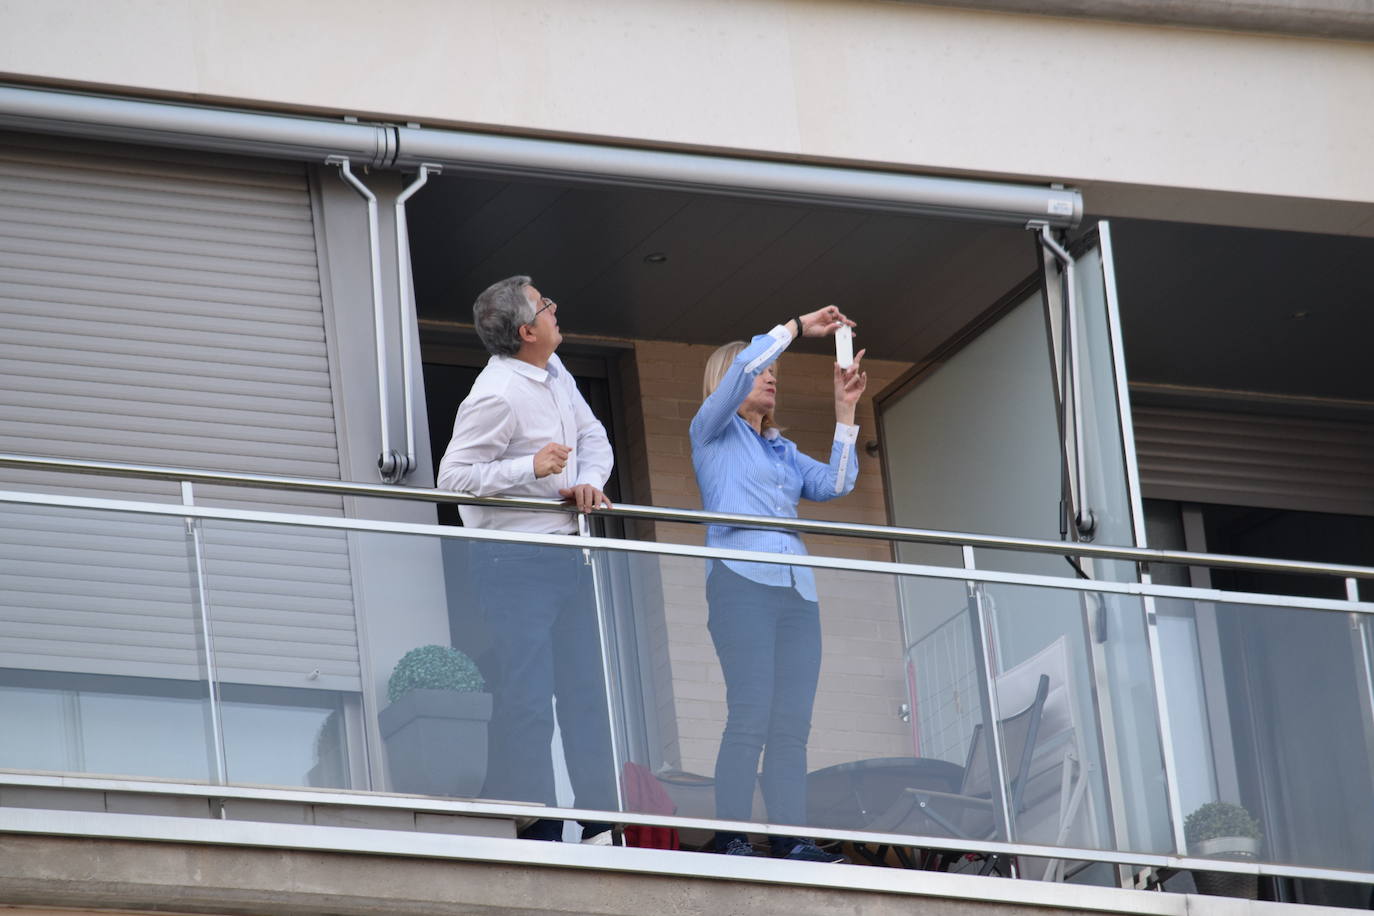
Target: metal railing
<point>967,573</point>
<point>1141,555</point>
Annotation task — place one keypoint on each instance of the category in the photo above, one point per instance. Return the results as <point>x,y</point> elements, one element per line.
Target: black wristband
<point>799,325</point>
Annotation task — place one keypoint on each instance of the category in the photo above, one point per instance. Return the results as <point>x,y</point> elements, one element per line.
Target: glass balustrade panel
<point>666,671</point>
<point>1288,775</point>
<point>101,654</point>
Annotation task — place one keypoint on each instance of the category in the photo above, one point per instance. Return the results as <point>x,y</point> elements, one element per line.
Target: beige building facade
<point>1211,162</point>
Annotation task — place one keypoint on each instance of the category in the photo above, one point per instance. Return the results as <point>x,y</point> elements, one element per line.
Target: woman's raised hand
<point>823,322</point>
<point>849,386</point>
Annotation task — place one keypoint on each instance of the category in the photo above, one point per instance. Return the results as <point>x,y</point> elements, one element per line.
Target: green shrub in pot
<point>434,668</point>
<point>1222,830</point>
<point>436,726</point>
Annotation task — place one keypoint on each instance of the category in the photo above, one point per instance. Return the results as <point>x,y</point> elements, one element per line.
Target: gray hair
<point>499,313</point>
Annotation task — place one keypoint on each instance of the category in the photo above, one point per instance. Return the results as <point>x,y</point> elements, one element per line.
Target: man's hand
<point>551,459</point>
<point>586,497</point>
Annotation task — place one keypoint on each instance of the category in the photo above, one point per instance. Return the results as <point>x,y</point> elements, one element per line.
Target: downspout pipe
<point>196,127</point>
<point>390,463</point>
<point>404,291</point>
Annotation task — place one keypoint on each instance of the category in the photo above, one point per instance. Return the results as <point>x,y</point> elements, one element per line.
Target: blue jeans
<point>541,612</point>
<point>768,640</point>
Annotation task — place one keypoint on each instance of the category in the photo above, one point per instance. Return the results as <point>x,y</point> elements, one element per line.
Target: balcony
<point>211,662</point>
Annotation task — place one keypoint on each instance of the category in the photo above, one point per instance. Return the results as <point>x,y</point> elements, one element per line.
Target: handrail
<point>1145,555</point>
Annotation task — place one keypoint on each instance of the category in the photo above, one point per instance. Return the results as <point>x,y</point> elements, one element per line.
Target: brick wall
<point>862,678</point>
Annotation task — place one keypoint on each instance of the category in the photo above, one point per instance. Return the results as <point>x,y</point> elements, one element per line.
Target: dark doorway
<point>452,359</point>
<point>1294,683</point>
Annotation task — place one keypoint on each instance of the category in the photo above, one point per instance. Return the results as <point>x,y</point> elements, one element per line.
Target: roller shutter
<point>164,307</point>
<point>1249,459</point>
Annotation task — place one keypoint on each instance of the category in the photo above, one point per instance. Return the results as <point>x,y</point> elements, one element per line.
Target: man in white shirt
<point>525,430</point>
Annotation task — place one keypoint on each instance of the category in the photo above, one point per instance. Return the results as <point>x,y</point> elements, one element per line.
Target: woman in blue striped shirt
<point>764,618</point>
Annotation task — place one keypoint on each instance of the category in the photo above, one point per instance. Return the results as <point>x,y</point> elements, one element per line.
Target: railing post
<point>604,628</point>
<point>985,653</point>
<point>1362,640</point>
<point>201,595</point>
<point>1163,720</point>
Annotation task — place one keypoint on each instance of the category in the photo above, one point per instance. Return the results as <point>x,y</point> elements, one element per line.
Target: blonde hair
<point>718,363</point>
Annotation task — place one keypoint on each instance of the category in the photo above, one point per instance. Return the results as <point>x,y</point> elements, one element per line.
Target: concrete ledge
<point>1348,20</point>
<point>74,860</point>
<point>202,803</point>
<point>131,875</point>
<point>235,881</point>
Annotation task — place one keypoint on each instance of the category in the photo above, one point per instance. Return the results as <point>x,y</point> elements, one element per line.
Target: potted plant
<point>1221,830</point>
<point>435,728</point>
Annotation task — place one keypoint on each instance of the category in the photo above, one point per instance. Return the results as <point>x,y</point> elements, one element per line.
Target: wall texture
<point>1121,108</point>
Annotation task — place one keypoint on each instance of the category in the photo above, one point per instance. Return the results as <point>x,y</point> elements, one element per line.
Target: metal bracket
<point>1084,520</point>
<point>391,463</point>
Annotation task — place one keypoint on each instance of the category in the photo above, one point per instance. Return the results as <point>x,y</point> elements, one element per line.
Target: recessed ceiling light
<point>1299,315</point>
<point>657,257</point>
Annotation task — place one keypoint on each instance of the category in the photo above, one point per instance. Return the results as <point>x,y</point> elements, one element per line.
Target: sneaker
<point>550,831</point>
<point>810,852</point>
<point>604,838</point>
<point>738,847</point>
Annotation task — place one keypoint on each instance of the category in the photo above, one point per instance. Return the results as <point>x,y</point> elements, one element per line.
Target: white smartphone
<point>844,347</point>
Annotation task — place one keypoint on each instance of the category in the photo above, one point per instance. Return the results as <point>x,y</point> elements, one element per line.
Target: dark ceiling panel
<point>1205,306</point>
<point>733,267</point>
<point>455,225</point>
<point>734,298</point>
<point>1256,310</point>
<point>978,267</point>
<point>576,238</point>
<point>705,244</point>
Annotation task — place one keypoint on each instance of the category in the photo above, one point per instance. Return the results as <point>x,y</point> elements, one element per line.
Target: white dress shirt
<point>514,410</point>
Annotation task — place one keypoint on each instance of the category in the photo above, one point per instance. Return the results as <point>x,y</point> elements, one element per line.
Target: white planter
<point>436,742</point>
<point>1226,884</point>
<point>1227,847</point>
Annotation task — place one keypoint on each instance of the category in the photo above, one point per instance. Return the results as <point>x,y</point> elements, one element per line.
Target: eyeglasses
<point>546,303</point>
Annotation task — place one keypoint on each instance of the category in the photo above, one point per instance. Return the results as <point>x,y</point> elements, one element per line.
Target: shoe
<point>810,852</point>
<point>604,838</point>
<point>738,847</point>
<point>550,831</point>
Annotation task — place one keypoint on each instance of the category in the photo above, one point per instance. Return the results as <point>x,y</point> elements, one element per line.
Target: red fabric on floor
<point>645,794</point>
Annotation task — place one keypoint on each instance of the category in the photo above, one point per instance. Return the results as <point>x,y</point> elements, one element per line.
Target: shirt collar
<point>534,373</point>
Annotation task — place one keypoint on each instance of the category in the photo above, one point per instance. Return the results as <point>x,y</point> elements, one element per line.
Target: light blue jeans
<point>768,640</point>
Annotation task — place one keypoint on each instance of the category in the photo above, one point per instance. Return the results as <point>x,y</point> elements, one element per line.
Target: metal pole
<point>1084,521</point>
<point>987,690</point>
<point>613,724</point>
<point>691,516</point>
<point>1163,720</point>
<point>390,462</point>
<point>407,305</point>
<point>1363,643</point>
<point>207,642</point>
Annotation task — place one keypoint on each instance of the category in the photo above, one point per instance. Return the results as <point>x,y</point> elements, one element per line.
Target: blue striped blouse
<point>740,471</point>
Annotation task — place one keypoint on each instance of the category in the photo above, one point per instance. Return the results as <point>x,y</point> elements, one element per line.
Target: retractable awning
<point>387,146</point>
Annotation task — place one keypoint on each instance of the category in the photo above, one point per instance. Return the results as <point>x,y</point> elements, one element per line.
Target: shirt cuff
<point>846,433</point>
<point>533,476</point>
<point>780,333</point>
